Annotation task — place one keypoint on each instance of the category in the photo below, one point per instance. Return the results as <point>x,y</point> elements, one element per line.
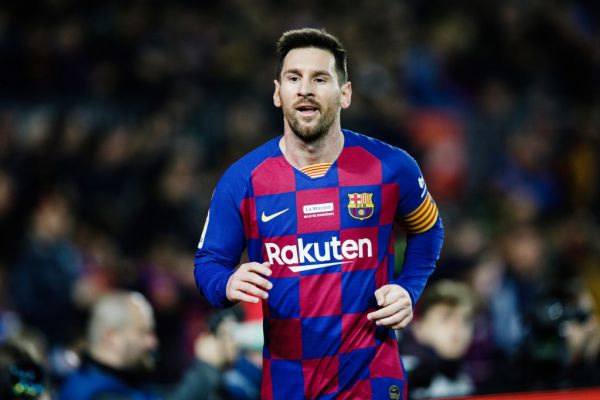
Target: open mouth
<point>307,110</point>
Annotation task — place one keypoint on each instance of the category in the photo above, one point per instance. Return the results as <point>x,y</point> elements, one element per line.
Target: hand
<point>207,349</point>
<point>247,282</point>
<point>396,307</point>
<point>218,349</point>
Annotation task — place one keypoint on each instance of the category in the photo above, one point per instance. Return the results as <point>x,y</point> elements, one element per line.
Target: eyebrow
<point>314,73</point>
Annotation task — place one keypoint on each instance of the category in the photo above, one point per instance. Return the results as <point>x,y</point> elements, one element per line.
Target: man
<point>121,347</point>
<point>21,378</point>
<point>314,208</point>
<point>434,347</point>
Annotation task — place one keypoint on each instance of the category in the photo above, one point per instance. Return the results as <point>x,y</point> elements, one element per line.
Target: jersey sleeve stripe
<point>420,212</point>
<point>427,224</point>
<point>423,218</point>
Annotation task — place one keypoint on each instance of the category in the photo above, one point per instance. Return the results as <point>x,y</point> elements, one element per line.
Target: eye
<point>320,79</point>
<point>293,78</point>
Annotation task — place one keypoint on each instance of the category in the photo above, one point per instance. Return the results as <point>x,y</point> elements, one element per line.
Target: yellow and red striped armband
<point>423,218</point>
<point>316,170</point>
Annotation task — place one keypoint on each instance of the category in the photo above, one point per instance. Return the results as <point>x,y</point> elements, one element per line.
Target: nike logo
<point>267,218</point>
<point>315,266</point>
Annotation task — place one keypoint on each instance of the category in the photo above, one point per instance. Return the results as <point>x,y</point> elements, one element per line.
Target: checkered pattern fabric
<point>330,244</point>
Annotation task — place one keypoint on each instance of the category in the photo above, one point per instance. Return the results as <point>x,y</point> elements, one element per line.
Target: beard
<point>144,365</point>
<point>311,132</point>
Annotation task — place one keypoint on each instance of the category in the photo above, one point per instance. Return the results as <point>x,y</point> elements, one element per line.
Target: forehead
<point>309,59</point>
<point>442,310</point>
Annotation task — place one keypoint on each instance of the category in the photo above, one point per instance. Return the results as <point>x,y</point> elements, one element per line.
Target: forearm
<point>420,256</point>
<point>211,278</point>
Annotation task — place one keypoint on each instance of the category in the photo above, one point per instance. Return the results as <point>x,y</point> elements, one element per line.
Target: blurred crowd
<point>118,117</point>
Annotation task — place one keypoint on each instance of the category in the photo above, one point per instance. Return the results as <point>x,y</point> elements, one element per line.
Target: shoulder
<point>86,383</point>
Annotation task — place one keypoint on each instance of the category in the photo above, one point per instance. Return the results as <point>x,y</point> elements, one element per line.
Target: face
<point>137,341</point>
<point>448,330</point>
<point>309,93</point>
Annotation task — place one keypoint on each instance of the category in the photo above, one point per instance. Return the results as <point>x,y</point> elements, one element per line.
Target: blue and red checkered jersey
<point>330,243</point>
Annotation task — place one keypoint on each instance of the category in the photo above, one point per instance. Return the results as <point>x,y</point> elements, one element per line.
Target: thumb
<point>380,295</point>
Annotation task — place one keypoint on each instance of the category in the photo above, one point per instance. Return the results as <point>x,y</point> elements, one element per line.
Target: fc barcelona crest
<point>360,205</point>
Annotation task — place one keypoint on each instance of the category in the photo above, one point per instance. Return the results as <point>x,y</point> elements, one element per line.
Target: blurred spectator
<point>582,334</point>
<point>243,380</point>
<point>121,354</point>
<point>43,277</point>
<point>21,378</point>
<point>434,346</point>
<point>562,345</point>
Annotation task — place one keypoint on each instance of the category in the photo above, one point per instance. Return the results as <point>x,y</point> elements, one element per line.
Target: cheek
<point>452,341</point>
<point>459,339</point>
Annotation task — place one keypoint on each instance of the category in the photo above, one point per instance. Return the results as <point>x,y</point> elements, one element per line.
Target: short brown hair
<point>318,38</point>
<point>447,292</point>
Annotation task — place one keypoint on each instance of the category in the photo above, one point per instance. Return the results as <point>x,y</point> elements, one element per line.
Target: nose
<point>152,341</point>
<point>305,88</point>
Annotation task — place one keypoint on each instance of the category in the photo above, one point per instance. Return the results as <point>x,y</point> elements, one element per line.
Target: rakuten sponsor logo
<point>315,255</point>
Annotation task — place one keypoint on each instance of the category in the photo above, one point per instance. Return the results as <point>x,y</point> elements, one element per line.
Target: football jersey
<point>330,243</point>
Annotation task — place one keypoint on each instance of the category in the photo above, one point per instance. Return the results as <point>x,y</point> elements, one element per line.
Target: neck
<point>301,154</point>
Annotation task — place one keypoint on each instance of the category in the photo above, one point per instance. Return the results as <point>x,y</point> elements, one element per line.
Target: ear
<point>346,93</point>
<point>276,97</point>
<point>110,337</point>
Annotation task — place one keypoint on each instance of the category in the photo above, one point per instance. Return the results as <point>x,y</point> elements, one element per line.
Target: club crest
<point>360,205</point>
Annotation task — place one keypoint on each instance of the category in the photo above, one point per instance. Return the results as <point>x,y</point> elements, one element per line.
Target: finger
<point>256,280</point>
<point>263,269</point>
<point>238,295</point>
<point>404,322</point>
<point>251,289</point>
<point>385,311</point>
<point>380,295</point>
<point>393,319</point>
<point>397,296</point>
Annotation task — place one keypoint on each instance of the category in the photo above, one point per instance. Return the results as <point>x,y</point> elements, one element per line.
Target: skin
<point>131,346</point>
<point>311,98</point>
<point>448,329</point>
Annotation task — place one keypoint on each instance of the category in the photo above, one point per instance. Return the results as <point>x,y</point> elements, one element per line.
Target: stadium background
<point>117,119</point>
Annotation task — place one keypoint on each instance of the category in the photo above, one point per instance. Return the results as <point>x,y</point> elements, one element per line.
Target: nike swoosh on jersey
<point>267,218</point>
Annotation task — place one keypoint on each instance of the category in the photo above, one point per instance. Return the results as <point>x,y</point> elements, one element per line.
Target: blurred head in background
<point>121,332</point>
<point>444,319</point>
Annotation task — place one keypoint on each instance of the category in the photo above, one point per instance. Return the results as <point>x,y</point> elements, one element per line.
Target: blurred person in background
<point>21,378</point>
<point>582,335</point>
<point>121,355</point>
<point>561,348</point>
<point>434,346</point>
<point>44,274</point>
<point>243,380</point>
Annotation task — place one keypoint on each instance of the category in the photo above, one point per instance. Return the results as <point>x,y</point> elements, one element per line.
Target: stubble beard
<point>311,133</point>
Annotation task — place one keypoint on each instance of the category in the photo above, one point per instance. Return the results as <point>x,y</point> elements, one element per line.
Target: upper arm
<point>222,238</point>
<point>417,210</point>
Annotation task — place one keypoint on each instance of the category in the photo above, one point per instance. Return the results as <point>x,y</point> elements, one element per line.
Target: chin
<point>145,366</point>
<point>309,138</point>
<point>309,135</point>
